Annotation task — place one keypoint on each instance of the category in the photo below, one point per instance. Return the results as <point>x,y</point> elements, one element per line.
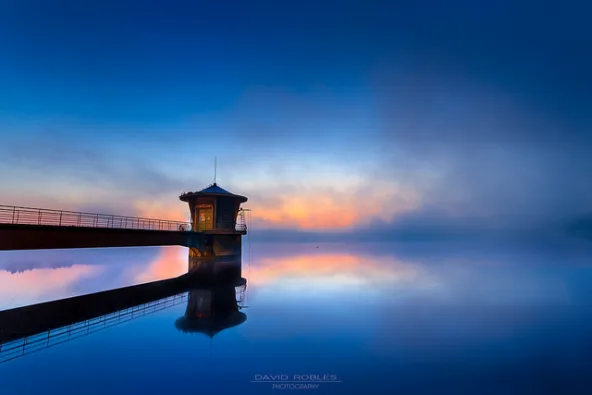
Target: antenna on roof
<point>215,167</point>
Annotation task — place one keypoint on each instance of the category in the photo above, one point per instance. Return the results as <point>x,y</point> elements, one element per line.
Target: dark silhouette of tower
<point>212,309</point>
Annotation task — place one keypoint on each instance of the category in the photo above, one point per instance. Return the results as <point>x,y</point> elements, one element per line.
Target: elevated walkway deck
<point>27,228</point>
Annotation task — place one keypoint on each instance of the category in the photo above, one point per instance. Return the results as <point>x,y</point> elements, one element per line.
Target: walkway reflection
<point>210,309</point>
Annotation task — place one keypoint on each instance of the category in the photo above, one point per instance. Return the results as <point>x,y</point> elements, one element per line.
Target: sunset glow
<point>34,286</point>
<point>159,209</point>
<point>330,210</point>
<point>170,262</point>
<point>343,267</point>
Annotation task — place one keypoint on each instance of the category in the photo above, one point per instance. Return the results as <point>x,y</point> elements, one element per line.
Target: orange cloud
<point>328,209</point>
<point>170,262</point>
<point>39,285</point>
<point>172,211</point>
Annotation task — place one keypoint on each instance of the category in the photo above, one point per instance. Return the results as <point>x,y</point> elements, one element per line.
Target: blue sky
<point>382,112</point>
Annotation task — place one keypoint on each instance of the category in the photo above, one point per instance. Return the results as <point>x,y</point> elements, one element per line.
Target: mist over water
<point>381,317</point>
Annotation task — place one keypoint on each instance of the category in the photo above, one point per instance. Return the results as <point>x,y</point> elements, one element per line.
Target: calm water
<point>376,319</point>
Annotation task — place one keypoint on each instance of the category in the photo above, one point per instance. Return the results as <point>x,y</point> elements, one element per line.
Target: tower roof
<point>212,190</point>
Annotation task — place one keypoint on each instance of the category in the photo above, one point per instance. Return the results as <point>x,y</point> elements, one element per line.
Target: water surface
<point>374,318</point>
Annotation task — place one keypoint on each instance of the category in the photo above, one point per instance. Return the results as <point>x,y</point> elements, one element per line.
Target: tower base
<point>218,260</point>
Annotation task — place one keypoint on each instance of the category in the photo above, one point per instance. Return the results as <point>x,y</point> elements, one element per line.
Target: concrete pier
<point>43,237</point>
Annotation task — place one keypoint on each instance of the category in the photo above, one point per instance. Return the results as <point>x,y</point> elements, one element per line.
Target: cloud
<point>324,208</point>
<point>170,262</point>
<point>452,112</point>
<point>162,210</point>
<point>474,150</point>
<point>344,268</point>
<point>67,166</point>
<point>34,286</point>
<point>28,266</point>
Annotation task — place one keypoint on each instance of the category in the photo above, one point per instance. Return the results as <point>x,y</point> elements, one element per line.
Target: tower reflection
<point>211,310</point>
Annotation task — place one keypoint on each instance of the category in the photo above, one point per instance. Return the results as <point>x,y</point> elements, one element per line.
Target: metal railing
<point>27,345</point>
<point>224,229</point>
<point>40,216</point>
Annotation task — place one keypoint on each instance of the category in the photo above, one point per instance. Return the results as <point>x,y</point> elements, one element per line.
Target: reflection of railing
<point>240,296</point>
<point>18,348</point>
<point>39,216</point>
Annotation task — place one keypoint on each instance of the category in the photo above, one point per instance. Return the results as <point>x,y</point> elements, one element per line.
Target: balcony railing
<point>223,227</point>
<point>40,216</point>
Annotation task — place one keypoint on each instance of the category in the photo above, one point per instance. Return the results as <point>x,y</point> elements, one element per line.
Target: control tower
<point>217,215</point>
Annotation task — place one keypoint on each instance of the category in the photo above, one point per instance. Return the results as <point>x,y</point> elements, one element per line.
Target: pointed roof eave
<point>213,190</point>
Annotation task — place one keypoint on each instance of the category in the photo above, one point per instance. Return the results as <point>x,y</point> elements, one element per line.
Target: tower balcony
<point>237,229</point>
